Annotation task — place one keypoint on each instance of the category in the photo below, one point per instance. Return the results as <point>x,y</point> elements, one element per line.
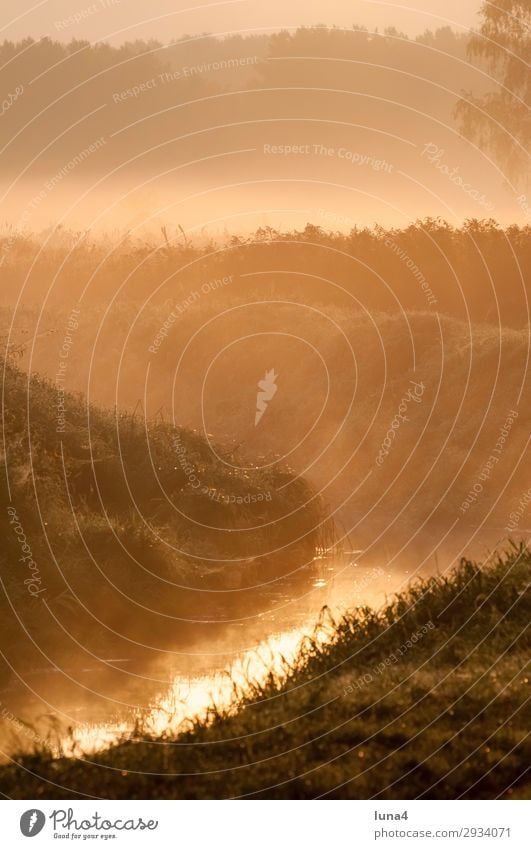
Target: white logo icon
<point>267,389</point>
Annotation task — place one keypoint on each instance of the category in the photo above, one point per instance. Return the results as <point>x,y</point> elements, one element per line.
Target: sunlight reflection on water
<point>191,698</point>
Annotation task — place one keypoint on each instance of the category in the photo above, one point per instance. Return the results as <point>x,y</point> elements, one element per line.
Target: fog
<point>265,328</point>
<point>116,22</point>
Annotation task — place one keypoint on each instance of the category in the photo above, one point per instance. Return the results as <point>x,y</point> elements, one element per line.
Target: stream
<point>79,710</point>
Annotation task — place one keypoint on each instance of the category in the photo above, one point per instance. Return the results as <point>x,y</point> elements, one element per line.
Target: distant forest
<point>78,93</point>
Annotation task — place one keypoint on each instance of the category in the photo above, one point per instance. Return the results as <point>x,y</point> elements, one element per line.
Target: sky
<point>164,20</point>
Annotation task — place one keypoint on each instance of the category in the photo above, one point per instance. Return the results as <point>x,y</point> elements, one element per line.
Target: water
<point>80,709</point>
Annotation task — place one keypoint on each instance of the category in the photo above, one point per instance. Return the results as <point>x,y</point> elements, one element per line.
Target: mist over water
<point>82,708</point>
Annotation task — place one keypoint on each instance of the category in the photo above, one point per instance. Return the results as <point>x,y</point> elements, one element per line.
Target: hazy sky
<point>121,20</point>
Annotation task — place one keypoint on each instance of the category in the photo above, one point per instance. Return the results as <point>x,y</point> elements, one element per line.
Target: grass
<point>445,719</point>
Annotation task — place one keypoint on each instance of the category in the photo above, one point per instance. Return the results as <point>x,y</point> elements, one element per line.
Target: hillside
<point>146,133</point>
<point>188,331</point>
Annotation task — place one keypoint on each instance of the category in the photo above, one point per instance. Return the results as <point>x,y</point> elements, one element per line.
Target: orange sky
<point>122,20</point>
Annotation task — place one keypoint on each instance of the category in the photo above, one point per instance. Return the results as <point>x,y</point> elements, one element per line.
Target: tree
<point>501,119</point>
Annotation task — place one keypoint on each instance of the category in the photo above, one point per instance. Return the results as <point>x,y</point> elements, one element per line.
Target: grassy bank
<point>425,698</point>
